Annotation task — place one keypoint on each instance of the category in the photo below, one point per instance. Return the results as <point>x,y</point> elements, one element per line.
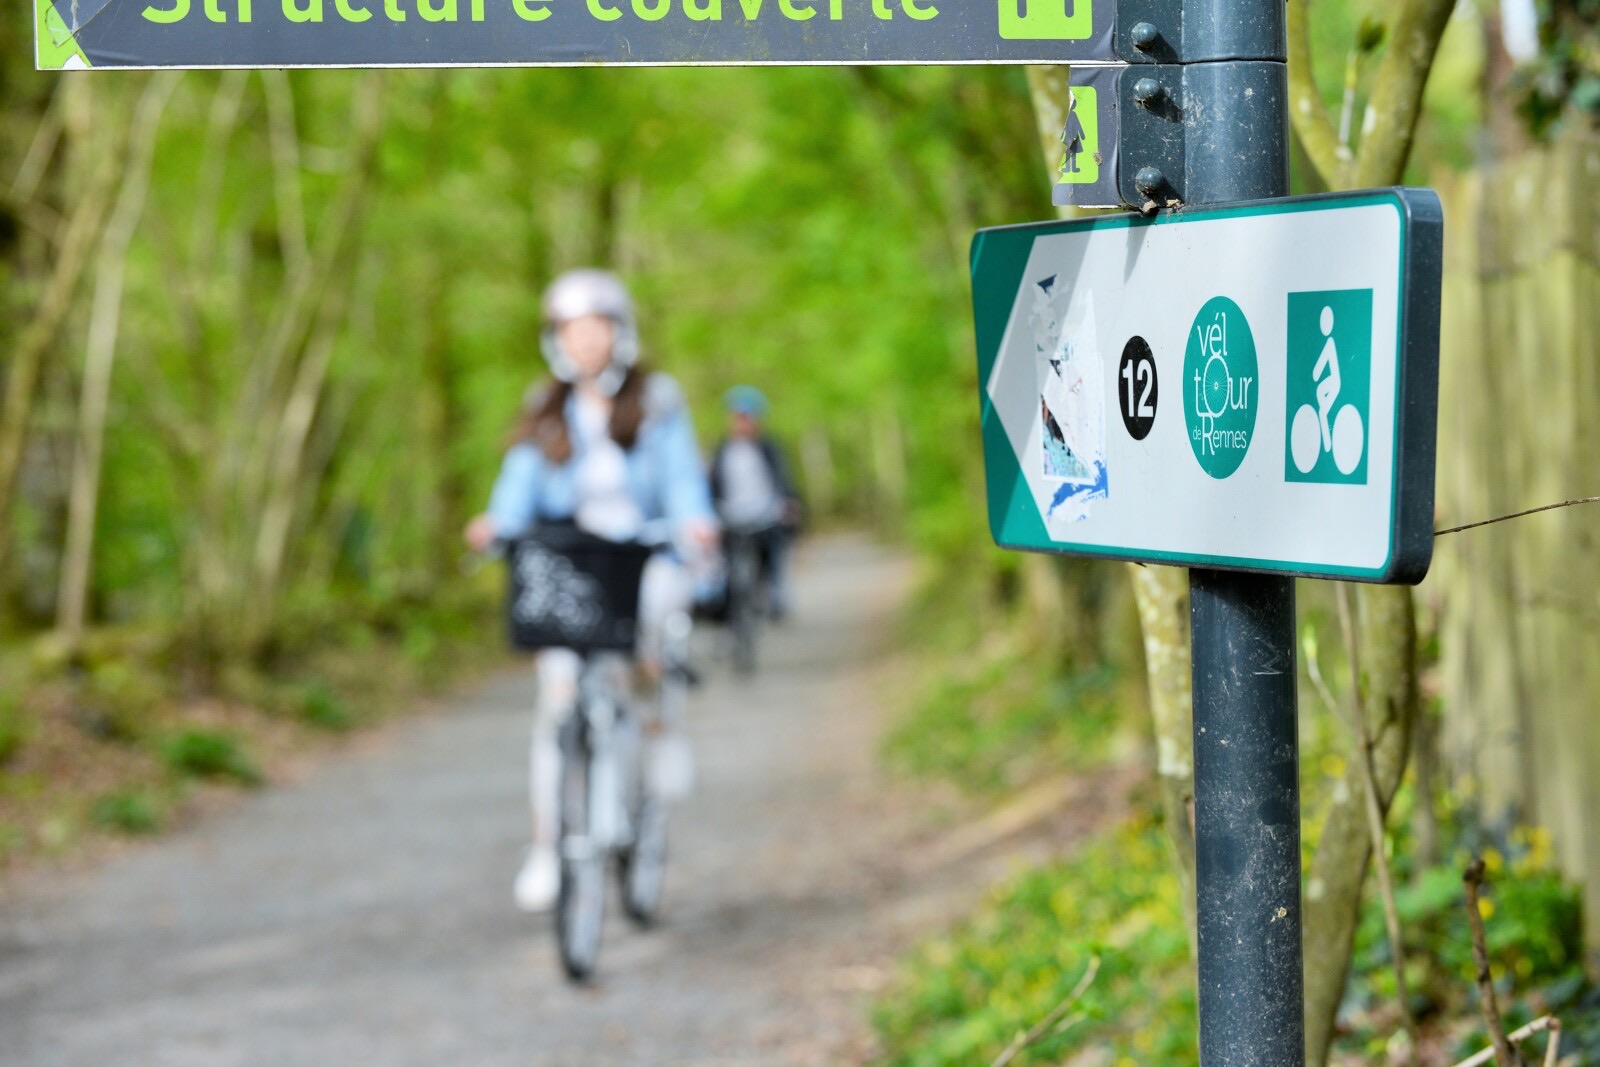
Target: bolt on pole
<point>1246,749</point>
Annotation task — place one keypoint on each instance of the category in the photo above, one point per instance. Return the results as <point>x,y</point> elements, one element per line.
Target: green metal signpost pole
<point>1246,756</point>
<point>1149,317</point>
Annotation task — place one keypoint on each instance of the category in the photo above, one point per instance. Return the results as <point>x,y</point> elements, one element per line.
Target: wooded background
<point>269,330</point>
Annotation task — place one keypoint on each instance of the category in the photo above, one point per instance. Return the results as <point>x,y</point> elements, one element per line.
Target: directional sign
<point>344,33</point>
<point>1252,387</point>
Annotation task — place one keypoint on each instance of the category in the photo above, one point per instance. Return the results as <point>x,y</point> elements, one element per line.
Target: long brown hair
<point>543,423</point>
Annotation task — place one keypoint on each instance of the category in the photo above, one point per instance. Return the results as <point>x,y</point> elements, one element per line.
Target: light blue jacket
<point>665,475</point>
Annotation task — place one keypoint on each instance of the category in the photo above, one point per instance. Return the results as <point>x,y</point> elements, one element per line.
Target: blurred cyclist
<point>609,446</point>
<point>751,487</point>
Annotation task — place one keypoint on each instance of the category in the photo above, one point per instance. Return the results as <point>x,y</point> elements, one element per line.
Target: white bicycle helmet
<point>590,292</point>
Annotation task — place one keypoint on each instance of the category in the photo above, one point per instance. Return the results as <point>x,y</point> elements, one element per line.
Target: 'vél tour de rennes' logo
<point>1220,387</point>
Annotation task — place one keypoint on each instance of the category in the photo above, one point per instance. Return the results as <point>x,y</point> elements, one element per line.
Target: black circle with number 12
<point>1137,391</point>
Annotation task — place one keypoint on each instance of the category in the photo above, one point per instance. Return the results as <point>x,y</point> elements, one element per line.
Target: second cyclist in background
<point>757,502</point>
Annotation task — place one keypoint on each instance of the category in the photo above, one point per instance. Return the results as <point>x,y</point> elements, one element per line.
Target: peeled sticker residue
<point>1071,402</point>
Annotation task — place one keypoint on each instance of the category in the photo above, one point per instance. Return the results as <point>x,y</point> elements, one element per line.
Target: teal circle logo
<point>1220,387</point>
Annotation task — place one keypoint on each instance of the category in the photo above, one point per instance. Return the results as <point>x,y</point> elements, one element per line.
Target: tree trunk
<point>821,479</point>
<point>1388,639</point>
<point>291,426</point>
<point>101,349</point>
<point>79,235</point>
<point>1388,628</point>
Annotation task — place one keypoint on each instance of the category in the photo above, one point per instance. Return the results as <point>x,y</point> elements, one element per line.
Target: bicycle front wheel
<point>745,609</point>
<point>580,906</point>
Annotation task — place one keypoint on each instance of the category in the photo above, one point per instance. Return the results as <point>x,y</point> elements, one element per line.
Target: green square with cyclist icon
<point>1329,386</point>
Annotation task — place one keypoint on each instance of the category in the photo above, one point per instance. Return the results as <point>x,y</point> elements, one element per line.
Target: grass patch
<point>12,839</point>
<point>321,707</point>
<point>1012,720</point>
<point>1534,921</point>
<point>127,811</point>
<point>962,997</point>
<point>207,754</point>
<point>100,740</point>
<point>13,733</point>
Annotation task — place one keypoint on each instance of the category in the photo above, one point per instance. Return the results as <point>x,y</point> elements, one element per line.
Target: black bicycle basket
<point>570,589</point>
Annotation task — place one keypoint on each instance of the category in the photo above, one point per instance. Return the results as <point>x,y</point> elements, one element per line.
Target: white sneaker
<point>539,881</point>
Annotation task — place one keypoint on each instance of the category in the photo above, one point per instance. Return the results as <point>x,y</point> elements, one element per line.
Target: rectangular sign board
<point>1252,387</point>
<point>367,33</point>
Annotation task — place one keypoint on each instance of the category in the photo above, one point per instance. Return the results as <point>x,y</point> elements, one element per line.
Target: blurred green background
<point>269,331</point>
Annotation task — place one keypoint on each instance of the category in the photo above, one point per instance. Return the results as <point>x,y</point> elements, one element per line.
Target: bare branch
<point>1519,515</point>
<point>1395,103</point>
<point>285,464</point>
<point>1053,1023</point>
<point>41,149</point>
<point>104,317</point>
<point>1306,109</point>
<point>71,263</point>
<point>1552,1051</point>
<point>1504,1055</point>
<point>221,121</point>
<point>286,170</point>
<point>1375,820</point>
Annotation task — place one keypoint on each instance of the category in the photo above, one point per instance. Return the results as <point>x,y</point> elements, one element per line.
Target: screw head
<point>1146,91</point>
<point>1145,36</point>
<point>1149,181</point>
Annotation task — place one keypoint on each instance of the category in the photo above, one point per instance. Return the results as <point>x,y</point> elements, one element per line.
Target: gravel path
<point>363,915</point>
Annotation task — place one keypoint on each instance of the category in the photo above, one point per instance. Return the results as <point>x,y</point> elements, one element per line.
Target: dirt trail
<point>363,916</point>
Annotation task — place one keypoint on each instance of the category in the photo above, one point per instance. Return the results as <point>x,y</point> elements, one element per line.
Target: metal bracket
<point>1170,137</point>
<point>1197,31</point>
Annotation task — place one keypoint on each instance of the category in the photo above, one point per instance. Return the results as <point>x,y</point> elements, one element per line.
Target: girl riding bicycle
<point>610,447</point>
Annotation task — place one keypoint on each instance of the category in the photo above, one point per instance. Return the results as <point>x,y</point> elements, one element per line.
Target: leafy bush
<point>206,754</point>
<point>321,707</point>
<point>962,998</point>
<point>129,811</point>
<point>1534,923</point>
<point>13,733</point>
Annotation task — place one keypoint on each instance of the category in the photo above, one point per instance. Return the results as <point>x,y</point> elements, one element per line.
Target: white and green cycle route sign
<point>1252,387</point>
<point>346,33</point>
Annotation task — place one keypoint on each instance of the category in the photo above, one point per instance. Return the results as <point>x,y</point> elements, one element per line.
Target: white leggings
<point>665,590</point>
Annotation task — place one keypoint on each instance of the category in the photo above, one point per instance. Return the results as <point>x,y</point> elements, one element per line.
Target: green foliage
<point>801,229</point>
<point>961,998</point>
<point>321,707</point>
<point>129,811</point>
<point>12,839</point>
<point>1357,33</point>
<point>1563,80</point>
<point>1001,723</point>
<point>1533,919</point>
<point>13,732</point>
<point>117,698</point>
<point>207,754</point>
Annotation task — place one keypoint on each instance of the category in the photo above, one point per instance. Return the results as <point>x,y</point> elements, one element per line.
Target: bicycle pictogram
<point>1329,385</point>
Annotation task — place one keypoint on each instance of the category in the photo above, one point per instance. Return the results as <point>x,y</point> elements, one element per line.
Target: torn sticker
<point>1071,404</point>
